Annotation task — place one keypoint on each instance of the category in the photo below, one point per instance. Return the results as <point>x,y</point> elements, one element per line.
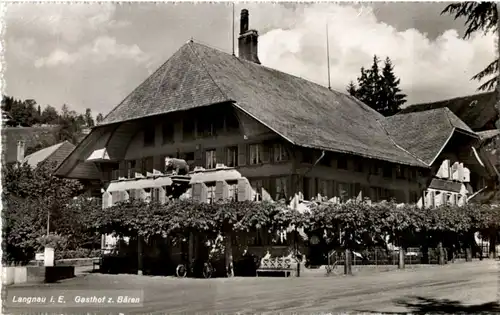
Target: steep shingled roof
<point>477,111</point>
<point>425,133</point>
<point>56,153</point>
<point>303,112</point>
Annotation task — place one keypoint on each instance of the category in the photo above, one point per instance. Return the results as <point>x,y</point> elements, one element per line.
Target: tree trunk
<point>228,251</point>
<point>347,262</point>
<point>190,249</point>
<point>401,263</point>
<point>139,255</point>
<point>468,253</point>
<point>440,253</point>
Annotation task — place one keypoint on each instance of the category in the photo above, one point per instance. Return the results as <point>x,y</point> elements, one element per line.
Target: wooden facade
<point>221,134</point>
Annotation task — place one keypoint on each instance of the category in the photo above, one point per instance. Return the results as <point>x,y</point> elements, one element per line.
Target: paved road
<point>458,288</point>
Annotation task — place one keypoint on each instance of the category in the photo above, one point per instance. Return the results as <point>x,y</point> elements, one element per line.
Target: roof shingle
<point>303,112</point>
<point>424,133</point>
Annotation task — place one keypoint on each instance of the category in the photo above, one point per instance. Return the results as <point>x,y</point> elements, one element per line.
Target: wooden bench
<point>278,264</point>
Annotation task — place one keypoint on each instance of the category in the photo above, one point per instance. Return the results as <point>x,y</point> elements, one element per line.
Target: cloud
<point>101,50</point>
<point>429,69</point>
<point>66,22</point>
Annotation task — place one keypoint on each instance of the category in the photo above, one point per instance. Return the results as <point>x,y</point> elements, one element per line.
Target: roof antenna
<point>232,33</point>
<point>328,56</point>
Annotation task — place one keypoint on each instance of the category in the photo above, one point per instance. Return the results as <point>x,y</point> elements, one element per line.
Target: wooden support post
<point>347,263</point>
<point>139,255</point>
<point>401,263</point>
<point>229,255</point>
<point>440,253</point>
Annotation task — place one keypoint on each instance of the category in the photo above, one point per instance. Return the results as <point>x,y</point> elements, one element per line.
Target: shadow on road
<point>422,305</point>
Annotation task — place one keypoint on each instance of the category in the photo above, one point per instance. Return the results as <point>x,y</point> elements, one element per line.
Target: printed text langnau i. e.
<point>29,299</point>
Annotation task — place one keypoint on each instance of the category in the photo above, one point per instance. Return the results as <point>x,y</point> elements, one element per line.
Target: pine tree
<point>89,121</point>
<point>379,89</point>
<point>99,118</point>
<point>480,17</point>
<point>391,97</point>
<point>351,89</point>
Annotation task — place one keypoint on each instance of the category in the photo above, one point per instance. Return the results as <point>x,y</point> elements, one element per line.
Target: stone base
<point>34,274</point>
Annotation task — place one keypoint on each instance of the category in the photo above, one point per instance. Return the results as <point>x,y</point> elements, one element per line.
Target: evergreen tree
<point>49,115</point>
<point>379,89</point>
<point>391,97</point>
<point>351,89</point>
<point>480,17</point>
<point>99,118</point>
<point>89,121</point>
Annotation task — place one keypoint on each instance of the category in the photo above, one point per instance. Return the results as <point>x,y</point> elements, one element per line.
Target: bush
<point>78,253</point>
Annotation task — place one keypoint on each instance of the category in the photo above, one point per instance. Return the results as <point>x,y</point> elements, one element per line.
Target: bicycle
<point>182,270</point>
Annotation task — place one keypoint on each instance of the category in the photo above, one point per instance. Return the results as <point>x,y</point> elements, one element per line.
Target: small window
<point>148,165</point>
<point>131,169</point>
<point>387,171</point>
<point>326,161</point>
<point>413,197</point>
<point>205,128</point>
<point>211,193</point>
<point>281,188</point>
<point>280,153</point>
<point>257,187</point>
<point>307,156</point>
<point>374,169</point>
<point>344,191</point>
<point>412,174</point>
<point>255,154</point>
<point>342,163</point>
<point>358,166</point>
<point>400,171</point>
<point>232,123</point>
<point>233,190</point>
<point>188,129</point>
<point>149,136</point>
<point>211,159</point>
<point>232,156</point>
<point>168,133</point>
<point>323,187</point>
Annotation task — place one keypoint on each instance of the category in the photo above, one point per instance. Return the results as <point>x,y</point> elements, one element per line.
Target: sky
<point>93,55</point>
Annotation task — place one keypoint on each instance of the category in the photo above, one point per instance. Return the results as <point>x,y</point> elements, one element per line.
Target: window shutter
<point>242,154</point>
<point>220,152</point>
<point>265,152</point>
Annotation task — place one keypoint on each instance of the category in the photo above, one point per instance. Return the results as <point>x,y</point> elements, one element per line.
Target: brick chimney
<point>20,150</point>
<point>247,41</point>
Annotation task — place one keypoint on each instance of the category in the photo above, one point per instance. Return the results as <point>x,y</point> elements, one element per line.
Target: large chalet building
<point>281,132</point>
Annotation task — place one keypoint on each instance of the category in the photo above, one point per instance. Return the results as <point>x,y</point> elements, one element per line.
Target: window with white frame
<point>256,154</point>
<point>280,153</point>
<point>211,193</point>
<point>233,191</point>
<point>281,188</point>
<point>344,191</point>
<point>232,157</point>
<point>257,187</point>
<point>211,159</point>
<point>323,187</point>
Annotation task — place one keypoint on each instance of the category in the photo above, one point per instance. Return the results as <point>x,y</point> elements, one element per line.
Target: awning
<point>140,183</point>
<point>99,155</point>
<point>214,176</point>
